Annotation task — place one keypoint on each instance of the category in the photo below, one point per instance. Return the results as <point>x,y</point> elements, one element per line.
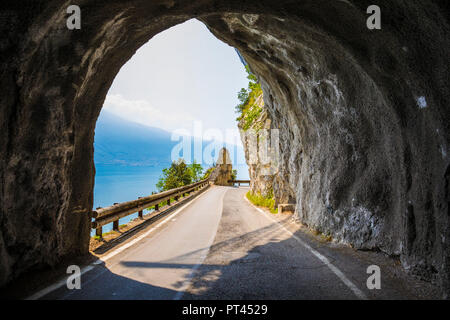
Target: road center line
<point>318,255</point>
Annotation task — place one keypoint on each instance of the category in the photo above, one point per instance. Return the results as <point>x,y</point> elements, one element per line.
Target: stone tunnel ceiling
<point>363,117</point>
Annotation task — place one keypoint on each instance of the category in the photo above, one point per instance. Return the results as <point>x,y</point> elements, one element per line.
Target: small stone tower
<point>223,172</point>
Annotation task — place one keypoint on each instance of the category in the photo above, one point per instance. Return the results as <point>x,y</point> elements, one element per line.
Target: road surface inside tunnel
<point>219,246</point>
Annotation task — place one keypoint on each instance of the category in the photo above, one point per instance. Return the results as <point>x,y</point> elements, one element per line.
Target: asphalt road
<point>219,246</point>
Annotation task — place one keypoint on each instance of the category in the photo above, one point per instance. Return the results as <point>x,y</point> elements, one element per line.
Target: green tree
<point>195,171</point>
<point>243,98</point>
<point>234,174</point>
<point>177,175</point>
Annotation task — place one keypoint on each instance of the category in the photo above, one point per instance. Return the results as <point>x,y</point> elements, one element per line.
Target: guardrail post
<point>156,207</point>
<point>116,225</point>
<point>141,214</point>
<point>168,202</point>
<point>99,232</point>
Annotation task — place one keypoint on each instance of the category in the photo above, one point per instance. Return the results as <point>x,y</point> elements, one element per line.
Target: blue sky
<point>183,78</point>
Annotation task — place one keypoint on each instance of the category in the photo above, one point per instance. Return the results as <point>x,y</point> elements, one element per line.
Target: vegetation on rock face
<point>259,200</point>
<point>208,172</point>
<point>251,104</point>
<point>179,174</point>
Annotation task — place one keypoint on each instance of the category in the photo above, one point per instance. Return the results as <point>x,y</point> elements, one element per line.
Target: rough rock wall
<point>257,143</point>
<point>54,82</point>
<point>363,129</point>
<point>363,116</point>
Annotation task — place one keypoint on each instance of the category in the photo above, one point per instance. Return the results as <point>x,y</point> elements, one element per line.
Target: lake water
<point>120,183</point>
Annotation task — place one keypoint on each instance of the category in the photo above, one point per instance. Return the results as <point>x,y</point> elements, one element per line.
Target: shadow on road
<point>253,265</point>
<point>114,287</point>
<point>266,263</point>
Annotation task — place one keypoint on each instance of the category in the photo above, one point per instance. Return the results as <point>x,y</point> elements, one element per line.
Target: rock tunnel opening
<point>173,100</point>
<point>362,114</point>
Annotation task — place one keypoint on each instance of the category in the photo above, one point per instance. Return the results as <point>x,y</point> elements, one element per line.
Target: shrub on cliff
<point>208,172</point>
<point>251,104</point>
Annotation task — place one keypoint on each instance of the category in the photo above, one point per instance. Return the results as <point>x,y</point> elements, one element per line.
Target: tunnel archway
<point>363,117</point>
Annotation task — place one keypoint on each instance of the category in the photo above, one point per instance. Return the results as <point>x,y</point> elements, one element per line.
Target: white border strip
<point>319,256</point>
<point>56,285</point>
<point>105,258</point>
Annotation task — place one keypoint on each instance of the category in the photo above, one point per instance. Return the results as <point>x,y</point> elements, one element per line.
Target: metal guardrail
<point>239,182</point>
<point>112,214</point>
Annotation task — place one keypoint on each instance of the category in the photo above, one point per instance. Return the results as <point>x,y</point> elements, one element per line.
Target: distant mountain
<point>122,142</point>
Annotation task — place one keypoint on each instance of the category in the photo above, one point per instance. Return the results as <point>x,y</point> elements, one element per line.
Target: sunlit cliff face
<point>362,114</point>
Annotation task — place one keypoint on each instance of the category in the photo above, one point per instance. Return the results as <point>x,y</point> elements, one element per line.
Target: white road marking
<point>321,257</point>
<point>56,285</point>
<point>62,282</point>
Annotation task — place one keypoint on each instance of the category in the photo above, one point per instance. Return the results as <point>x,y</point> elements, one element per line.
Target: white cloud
<point>141,111</point>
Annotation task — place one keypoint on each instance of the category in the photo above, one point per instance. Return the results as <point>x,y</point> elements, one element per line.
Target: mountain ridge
<point>122,142</point>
